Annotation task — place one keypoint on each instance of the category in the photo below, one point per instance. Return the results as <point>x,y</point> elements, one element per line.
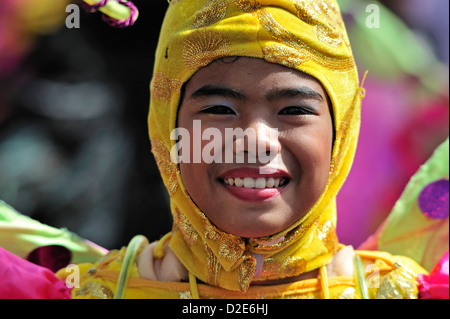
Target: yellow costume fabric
<point>307,35</point>
<point>387,277</point>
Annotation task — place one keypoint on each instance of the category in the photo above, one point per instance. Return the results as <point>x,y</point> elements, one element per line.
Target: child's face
<point>265,97</point>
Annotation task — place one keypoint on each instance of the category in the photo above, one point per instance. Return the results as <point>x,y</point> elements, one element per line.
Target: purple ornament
<point>433,199</point>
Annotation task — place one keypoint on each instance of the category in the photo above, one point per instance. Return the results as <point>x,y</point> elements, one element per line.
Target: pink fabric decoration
<point>436,284</point>
<point>21,279</point>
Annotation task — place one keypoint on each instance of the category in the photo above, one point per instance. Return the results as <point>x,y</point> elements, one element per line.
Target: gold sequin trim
<point>325,18</point>
<point>293,266</point>
<point>271,268</point>
<point>187,230</point>
<point>165,165</point>
<point>305,52</point>
<point>326,232</point>
<point>246,271</point>
<point>284,55</point>
<point>204,46</point>
<point>398,284</point>
<point>328,36</point>
<point>214,267</point>
<point>163,87</point>
<point>211,12</point>
<point>210,230</point>
<point>95,289</point>
<point>274,269</point>
<point>231,247</point>
<point>262,244</point>
<point>246,5</point>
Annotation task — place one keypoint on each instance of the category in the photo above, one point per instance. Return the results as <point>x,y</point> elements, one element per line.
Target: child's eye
<point>296,110</point>
<point>218,109</point>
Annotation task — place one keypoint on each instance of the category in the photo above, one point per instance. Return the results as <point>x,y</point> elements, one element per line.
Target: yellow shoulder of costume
<point>86,282</point>
<point>388,259</point>
<point>390,277</point>
<point>100,280</point>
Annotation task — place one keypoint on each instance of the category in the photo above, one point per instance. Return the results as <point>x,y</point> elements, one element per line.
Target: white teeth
<point>249,182</point>
<point>260,183</point>
<point>276,183</point>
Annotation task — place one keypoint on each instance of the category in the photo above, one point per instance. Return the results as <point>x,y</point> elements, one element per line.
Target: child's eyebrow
<point>211,90</point>
<point>298,92</point>
<point>272,95</point>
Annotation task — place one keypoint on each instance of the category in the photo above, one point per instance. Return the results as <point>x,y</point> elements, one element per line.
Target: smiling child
<point>246,229</point>
<point>252,229</point>
<point>253,122</point>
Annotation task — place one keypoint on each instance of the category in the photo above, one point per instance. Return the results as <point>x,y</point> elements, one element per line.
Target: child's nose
<point>261,145</point>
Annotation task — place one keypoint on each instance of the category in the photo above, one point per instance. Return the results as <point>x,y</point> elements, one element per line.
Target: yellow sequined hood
<point>307,35</point>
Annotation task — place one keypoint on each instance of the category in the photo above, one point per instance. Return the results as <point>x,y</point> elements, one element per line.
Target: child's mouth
<point>250,185</point>
<point>259,183</point>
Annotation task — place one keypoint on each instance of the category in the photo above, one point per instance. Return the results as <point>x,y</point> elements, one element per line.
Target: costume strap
<point>159,250</point>
<point>135,245</point>
<point>324,282</point>
<point>193,286</point>
<point>362,90</point>
<point>361,278</point>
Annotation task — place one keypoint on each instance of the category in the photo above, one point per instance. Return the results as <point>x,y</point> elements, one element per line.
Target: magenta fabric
<point>21,279</point>
<point>436,284</point>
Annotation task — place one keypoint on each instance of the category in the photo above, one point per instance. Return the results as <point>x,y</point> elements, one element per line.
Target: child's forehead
<point>236,71</point>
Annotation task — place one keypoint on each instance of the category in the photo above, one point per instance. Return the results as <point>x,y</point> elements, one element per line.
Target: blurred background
<point>74,148</point>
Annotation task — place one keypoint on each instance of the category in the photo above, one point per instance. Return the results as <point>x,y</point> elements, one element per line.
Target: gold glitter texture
<point>210,13</point>
<point>398,284</point>
<point>231,247</point>
<point>305,52</point>
<point>274,268</point>
<point>246,5</point>
<point>293,266</point>
<point>165,165</point>
<point>214,267</point>
<point>286,56</point>
<point>325,19</point>
<point>95,289</point>
<point>266,246</point>
<point>163,87</point>
<point>204,46</point>
<point>185,227</point>
<point>327,234</point>
<point>246,271</point>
